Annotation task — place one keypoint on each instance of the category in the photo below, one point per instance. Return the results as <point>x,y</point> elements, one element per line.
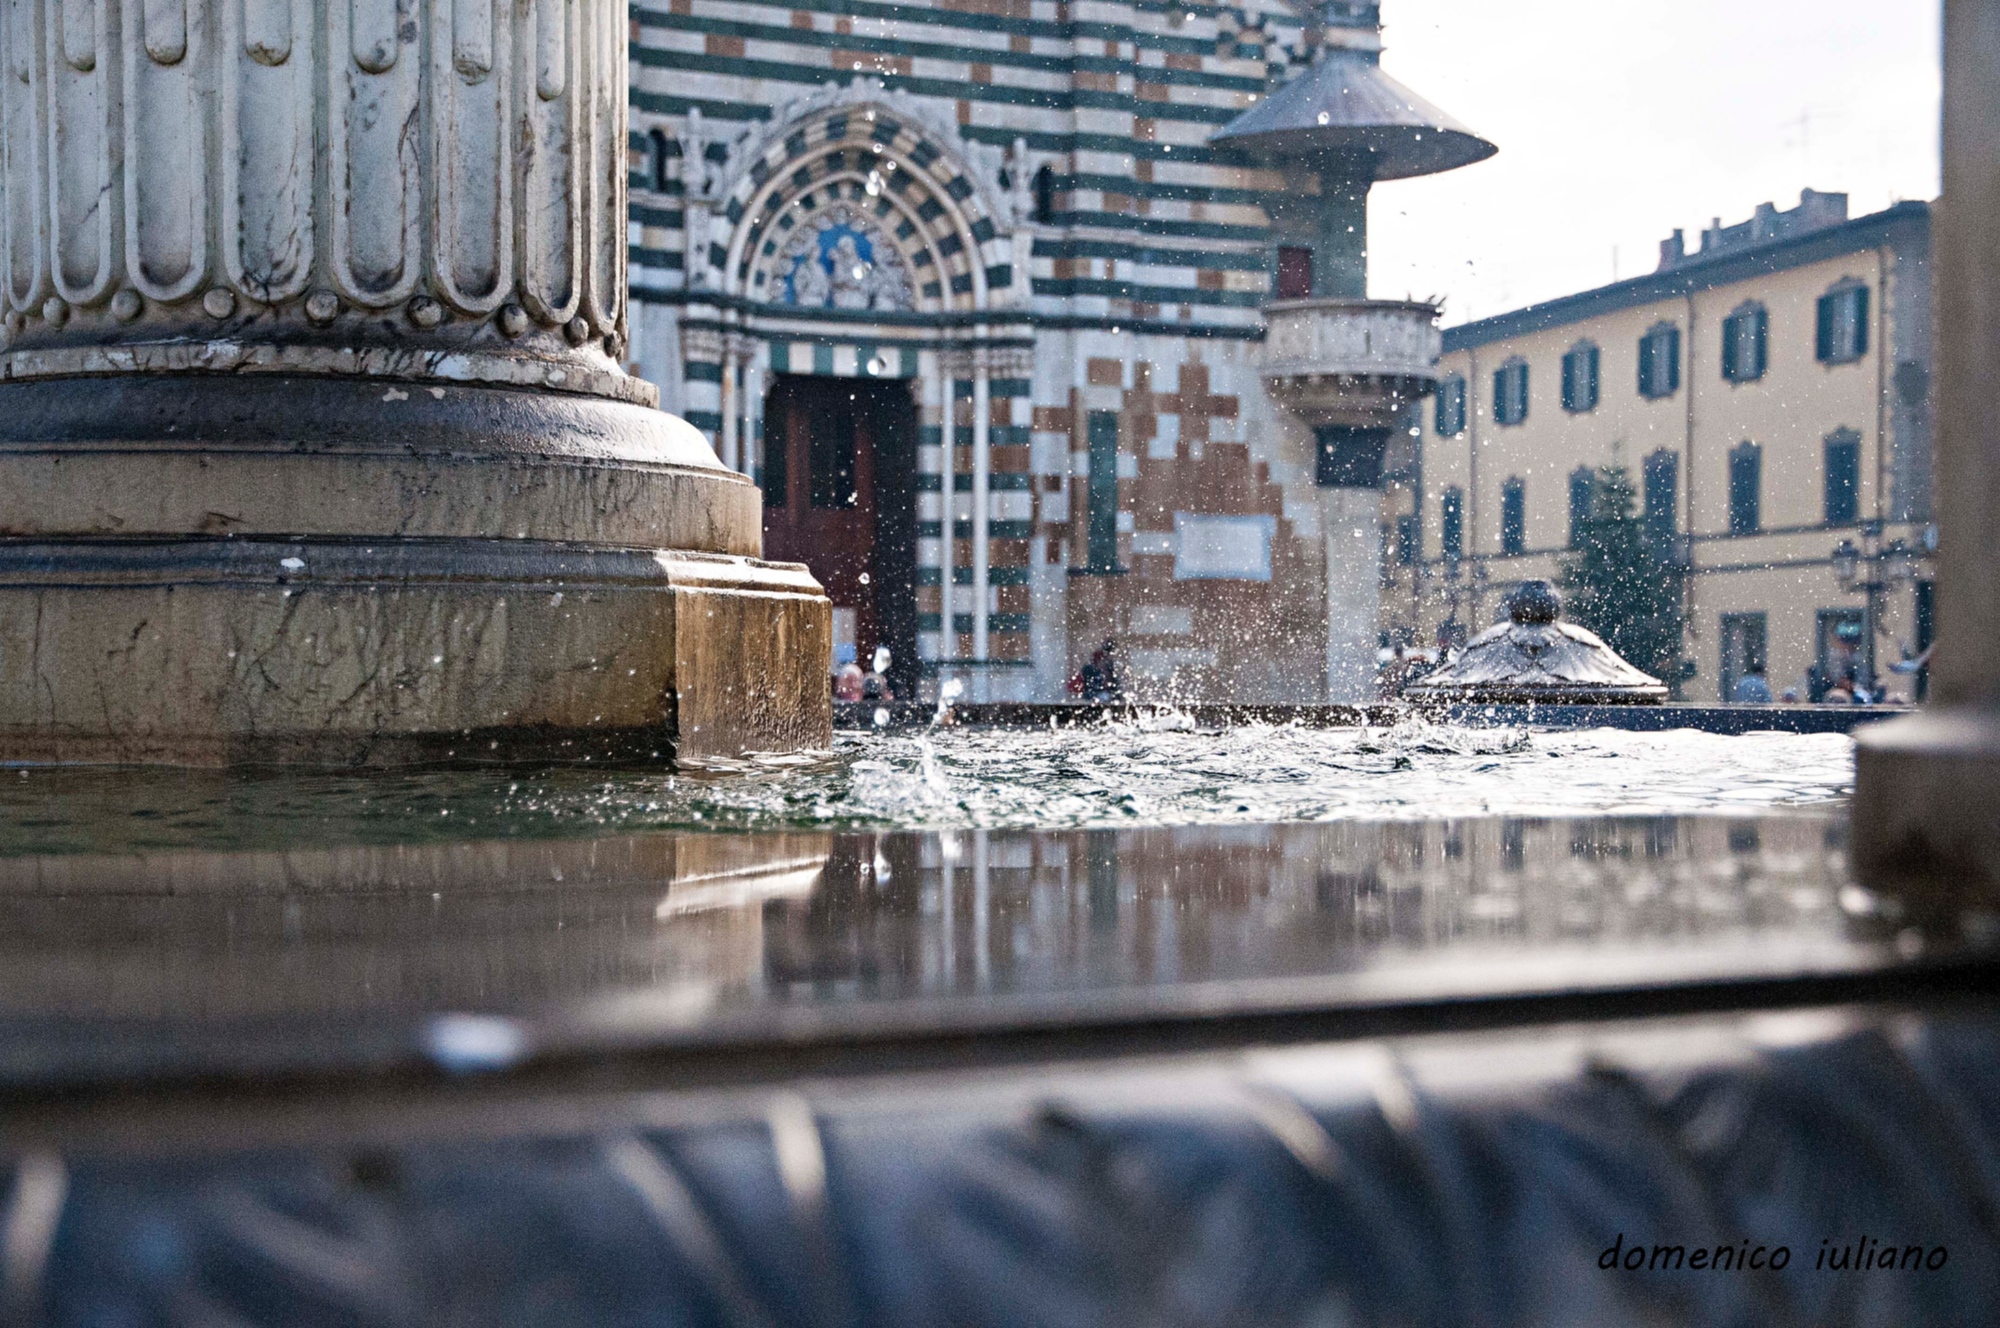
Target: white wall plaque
<point>1223,548</point>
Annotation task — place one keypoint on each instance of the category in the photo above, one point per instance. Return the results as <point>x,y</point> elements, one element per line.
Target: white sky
<point>1618,120</point>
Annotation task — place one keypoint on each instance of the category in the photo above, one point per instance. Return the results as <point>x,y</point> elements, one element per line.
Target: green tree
<point>1622,585</point>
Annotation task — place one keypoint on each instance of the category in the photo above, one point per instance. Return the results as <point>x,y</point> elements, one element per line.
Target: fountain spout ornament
<point>1535,657</point>
<point>315,442</point>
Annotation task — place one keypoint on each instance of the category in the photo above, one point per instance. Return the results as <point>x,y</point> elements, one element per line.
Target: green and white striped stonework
<point>1042,172</point>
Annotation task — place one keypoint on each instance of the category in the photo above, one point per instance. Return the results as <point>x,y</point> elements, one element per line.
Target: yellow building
<point>1768,393</point>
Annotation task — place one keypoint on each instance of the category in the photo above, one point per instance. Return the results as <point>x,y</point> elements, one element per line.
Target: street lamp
<point>1845,561</point>
<point>1873,569</point>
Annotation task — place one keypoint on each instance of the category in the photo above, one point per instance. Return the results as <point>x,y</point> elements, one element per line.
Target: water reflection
<point>736,924</point>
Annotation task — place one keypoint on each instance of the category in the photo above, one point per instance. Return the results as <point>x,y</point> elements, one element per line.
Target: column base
<point>372,652</point>
<point>1927,806</point>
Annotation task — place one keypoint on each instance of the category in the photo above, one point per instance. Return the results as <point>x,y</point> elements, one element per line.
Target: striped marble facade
<point>1052,244</point>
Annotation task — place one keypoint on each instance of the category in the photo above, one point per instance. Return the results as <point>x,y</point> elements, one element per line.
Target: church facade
<point>969,291</point>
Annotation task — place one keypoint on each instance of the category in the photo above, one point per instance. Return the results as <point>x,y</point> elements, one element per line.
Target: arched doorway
<point>839,477</point>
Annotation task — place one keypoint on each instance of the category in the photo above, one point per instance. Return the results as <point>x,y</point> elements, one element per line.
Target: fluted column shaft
<point>430,188</point>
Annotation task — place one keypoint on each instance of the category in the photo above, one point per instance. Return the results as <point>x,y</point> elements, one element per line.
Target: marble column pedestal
<point>299,569</point>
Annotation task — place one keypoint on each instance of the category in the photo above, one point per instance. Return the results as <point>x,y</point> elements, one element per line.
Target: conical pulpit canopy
<point>1344,108</point>
<point>1536,657</point>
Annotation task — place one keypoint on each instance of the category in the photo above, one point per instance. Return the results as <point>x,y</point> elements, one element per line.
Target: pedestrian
<point>1098,680</point>
<point>1752,688</point>
<point>875,685</point>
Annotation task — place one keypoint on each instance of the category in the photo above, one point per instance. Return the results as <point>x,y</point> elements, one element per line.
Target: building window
<point>1843,477</point>
<point>657,165</point>
<point>1510,392</point>
<point>1513,515</point>
<point>1843,324</point>
<point>1453,523</point>
<point>1660,362</point>
<point>1582,482</point>
<point>1580,378</point>
<point>1101,533</point>
<point>1746,481</point>
<point>1406,538</point>
<point>1045,195</point>
<point>1745,355</point>
<point>1295,272</point>
<point>1662,482</point>
<point>1451,407</point>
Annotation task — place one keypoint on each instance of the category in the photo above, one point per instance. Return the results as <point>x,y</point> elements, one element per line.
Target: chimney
<point>1818,209</point>
<point>1673,249</point>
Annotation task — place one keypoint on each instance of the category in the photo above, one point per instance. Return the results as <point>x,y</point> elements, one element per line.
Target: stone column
<point>314,439</point>
<point>948,374</point>
<point>732,407</point>
<point>1927,788</point>
<point>1350,370</point>
<point>1351,522</point>
<point>753,411</point>
<point>982,514</point>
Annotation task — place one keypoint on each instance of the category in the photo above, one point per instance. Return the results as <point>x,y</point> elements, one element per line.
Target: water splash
<point>1144,770</point>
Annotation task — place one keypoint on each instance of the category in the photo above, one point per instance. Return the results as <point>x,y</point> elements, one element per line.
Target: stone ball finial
<point>1535,602</point>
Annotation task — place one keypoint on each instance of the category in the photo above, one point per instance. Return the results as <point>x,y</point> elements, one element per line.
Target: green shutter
<point>1732,331</point>
<point>1824,341</point>
<point>1101,534</point>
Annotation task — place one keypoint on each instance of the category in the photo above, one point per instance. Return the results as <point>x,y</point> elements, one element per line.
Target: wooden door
<point>819,495</point>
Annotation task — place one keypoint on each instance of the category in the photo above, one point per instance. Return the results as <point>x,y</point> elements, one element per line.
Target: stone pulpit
<point>315,441</point>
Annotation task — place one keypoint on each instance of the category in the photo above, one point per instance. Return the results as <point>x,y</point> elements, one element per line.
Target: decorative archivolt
<point>855,197</point>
